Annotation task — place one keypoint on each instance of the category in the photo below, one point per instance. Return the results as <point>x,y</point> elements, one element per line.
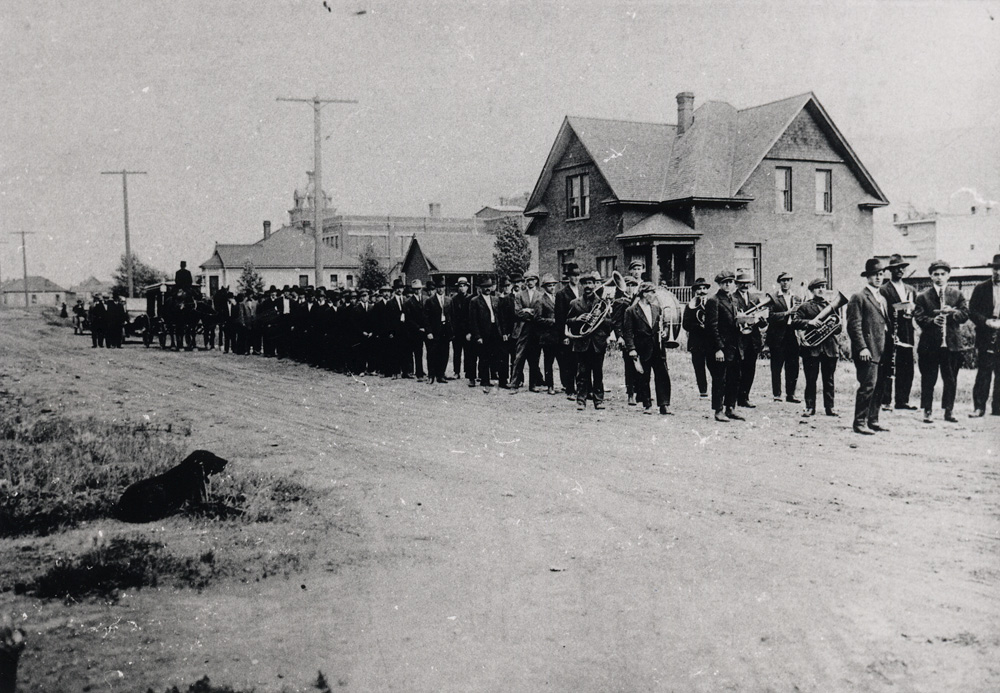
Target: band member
<point>781,340</point>
<point>567,359</point>
<point>460,321</point>
<point>899,348</point>
<point>751,339</point>
<point>868,327</point>
<point>590,348</point>
<point>724,336</point>
<point>698,342</point>
<point>543,321</point>
<point>939,310</point>
<point>636,268</point>
<point>642,343</point>
<point>984,310</point>
<point>527,348</point>
<point>623,301</point>
<point>511,328</point>
<point>822,357</point>
<point>487,331</point>
<point>437,318</point>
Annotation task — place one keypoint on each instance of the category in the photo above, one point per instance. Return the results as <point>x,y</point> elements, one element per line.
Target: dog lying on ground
<point>165,494</point>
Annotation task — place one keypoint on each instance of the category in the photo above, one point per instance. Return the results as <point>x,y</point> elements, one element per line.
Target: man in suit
<point>379,321</point>
<point>415,330</point>
<point>822,357</point>
<point>567,358</point>
<point>543,322</point>
<point>868,328</point>
<point>97,315</point>
<point>590,349</point>
<point>399,359</point>
<point>899,348</point>
<point>462,346</point>
<point>183,278</point>
<point>437,318</point>
<point>527,347</point>
<point>781,341</point>
<point>486,330</point>
<point>361,349</point>
<point>723,334</point>
<point>116,319</point>
<point>622,302</point>
<point>939,310</point>
<point>751,339</point>
<point>511,329</point>
<point>698,341</point>
<point>642,344</point>
<point>984,310</point>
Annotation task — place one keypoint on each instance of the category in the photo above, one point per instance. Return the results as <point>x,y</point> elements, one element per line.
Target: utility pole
<point>319,199</point>
<point>24,260</point>
<point>128,248</point>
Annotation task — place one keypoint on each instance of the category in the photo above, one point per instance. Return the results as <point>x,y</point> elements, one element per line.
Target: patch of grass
<point>103,570</point>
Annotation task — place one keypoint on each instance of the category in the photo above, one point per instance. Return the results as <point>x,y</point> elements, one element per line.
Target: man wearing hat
<point>724,337</point>
<point>899,348</point>
<point>781,341</point>
<point>415,330</point>
<point>97,315</point>
<point>751,339</point>
<point>939,310</point>
<point>360,350</point>
<point>590,349</point>
<point>636,269</point>
<point>544,323</point>
<point>868,328</point>
<point>567,358</point>
<point>437,318</point>
<point>462,346</point>
<point>486,330</point>
<point>698,342</point>
<point>984,310</point>
<point>642,343</point>
<point>510,328</point>
<point>383,356</point>
<point>822,357</point>
<point>527,348</point>
<point>622,302</point>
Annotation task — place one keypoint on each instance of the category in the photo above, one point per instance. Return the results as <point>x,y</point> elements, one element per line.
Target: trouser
<point>811,366</point>
<point>417,349</point>
<point>528,351</point>
<point>868,399</point>
<point>699,359</point>
<point>491,364</point>
<point>725,382</point>
<point>464,350</point>
<point>567,368</point>
<point>785,356</point>
<point>902,375</point>
<point>989,369</point>
<point>947,362</point>
<point>113,337</point>
<point>748,369</point>
<point>631,376</point>
<point>437,358</point>
<point>208,335</point>
<point>655,365</point>
<point>549,352</point>
<point>589,376</point>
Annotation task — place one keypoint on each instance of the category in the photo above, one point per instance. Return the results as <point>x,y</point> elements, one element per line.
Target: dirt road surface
<point>497,542</point>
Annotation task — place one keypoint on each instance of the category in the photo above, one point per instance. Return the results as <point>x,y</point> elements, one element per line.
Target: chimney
<point>685,111</point>
<point>434,210</point>
<point>267,230</point>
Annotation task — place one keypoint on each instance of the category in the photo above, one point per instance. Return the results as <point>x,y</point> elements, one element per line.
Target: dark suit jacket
<point>479,319</point>
<point>639,334</point>
<point>698,339</point>
<point>778,328</point>
<point>866,325</point>
<point>460,314</point>
<point>930,333</point>
<point>720,325</point>
<point>414,326</point>
<point>755,338</point>
<point>596,340</point>
<point>800,321</point>
<point>391,322</point>
<point>905,325</point>
<point>980,310</point>
<point>506,317</point>
<point>544,320</point>
<point>432,317</point>
<point>564,297</point>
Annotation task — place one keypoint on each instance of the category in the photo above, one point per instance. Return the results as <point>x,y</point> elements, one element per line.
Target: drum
<point>671,317</point>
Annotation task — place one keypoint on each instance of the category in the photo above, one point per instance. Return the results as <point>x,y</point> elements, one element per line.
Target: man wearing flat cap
<point>868,327</point>
<point>899,349</point>
<point>699,344</point>
<point>724,337</point>
<point>939,310</point>
<point>641,326</point>
<point>486,330</point>
<point>822,357</point>
<point>544,322</point>
<point>636,269</point>
<point>781,341</point>
<point>984,310</point>
<point>591,347</point>
<point>462,346</point>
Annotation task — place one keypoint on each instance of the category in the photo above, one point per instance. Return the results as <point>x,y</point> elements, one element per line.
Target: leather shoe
<point>811,411</point>
<point>580,406</point>
<point>777,399</point>
<point>878,428</point>
<point>831,412</point>
<point>928,417</point>
<point>886,407</point>
<point>793,399</point>
<point>948,416</point>
<point>443,381</point>
<point>720,417</point>
<point>551,390</point>
<point>631,400</point>
<point>648,409</point>
<point>977,413</point>
<point>747,405</point>
<point>730,414</point>
<point>908,407</point>
<point>864,430</point>
<point>598,406</point>
<point>534,388</point>
<point>665,411</point>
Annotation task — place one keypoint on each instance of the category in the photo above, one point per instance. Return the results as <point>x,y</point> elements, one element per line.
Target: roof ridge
<point>771,103</point>
<point>623,120</point>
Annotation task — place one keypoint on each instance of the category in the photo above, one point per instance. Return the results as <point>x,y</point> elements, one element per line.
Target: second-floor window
<point>824,263</point>
<point>783,188</point>
<point>333,280</point>
<point>578,196</point>
<point>824,191</point>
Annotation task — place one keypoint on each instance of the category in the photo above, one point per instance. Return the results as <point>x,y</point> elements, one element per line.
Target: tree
<point>512,254</point>
<point>371,276</point>
<point>250,280</point>
<point>142,275</point>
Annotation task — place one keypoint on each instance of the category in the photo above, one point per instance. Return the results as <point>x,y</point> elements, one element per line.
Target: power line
<point>128,248</point>
<point>319,199</point>
<point>24,260</point>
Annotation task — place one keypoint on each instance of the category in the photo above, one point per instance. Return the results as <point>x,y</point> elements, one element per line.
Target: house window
<point>333,280</point>
<point>747,257</point>
<point>350,281</point>
<point>606,265</point>
<point>824,264</point>
<point>213,285</point>
<point>34,298</point>
<point>565,257</point>
<point>332,242</point>
<point>783,188</point>
<point>578,196</point>
<point>824,191</point>
<point>303,280</point>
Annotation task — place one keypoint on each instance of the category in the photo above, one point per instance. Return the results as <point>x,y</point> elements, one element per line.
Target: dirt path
<point>488,542</point>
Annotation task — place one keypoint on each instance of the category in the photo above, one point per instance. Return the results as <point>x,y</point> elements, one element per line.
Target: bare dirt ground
<point>489,542</point>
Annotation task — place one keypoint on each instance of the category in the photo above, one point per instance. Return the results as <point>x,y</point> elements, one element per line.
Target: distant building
<point>771,188</point>
<point>443,258</point>
<point>90,286</point>
<point>41,292</point>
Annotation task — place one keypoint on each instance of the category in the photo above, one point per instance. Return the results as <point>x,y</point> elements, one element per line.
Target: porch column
<point>654,264</point>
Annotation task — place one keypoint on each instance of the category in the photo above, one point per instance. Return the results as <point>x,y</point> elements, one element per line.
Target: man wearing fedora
<point>899,348</point>
<point>984,310</point>
<point>724,339</point>
<point>415,330</point>
<point>486,331</point>
<point>590,349</point>
<point>698,341</point>
<point>822,357</point>
<point>460,323</point>
<point>437,316</point>
<point>641,326</point>
<point>781,341</point>
<point>751,339</point>
<point>527,349</point>
<point>868,328</point>
<point>939,310</point>
<point>622,302</point>
<point>567,358</point>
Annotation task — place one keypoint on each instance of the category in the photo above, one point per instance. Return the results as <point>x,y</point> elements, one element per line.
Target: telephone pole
<point>128,248</point>
<point>24,260</point>
<point>319,199</point>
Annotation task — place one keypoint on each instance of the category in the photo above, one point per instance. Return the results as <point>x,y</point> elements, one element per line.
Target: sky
<point>458,103</point>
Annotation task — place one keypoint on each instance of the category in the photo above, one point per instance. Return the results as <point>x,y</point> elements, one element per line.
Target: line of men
<point>107,316</point>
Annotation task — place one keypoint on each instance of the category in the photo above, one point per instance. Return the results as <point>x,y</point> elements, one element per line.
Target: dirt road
<point>490,542</point>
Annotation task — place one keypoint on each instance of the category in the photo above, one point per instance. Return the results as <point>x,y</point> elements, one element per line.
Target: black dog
<point>165,494</point>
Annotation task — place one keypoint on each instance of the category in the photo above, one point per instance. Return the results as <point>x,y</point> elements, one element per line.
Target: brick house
<point>775,188</point>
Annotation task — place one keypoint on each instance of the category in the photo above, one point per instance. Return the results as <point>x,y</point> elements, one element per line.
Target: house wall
<point>35,298</point>
<point>281,277</point>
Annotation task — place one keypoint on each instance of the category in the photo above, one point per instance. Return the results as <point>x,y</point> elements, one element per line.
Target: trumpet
<point>751,315</point>
<point>941,320</point>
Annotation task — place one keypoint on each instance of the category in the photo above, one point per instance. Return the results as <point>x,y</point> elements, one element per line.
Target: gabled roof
<point>287,247</point>
<point>649,163</point>
<point>659,226</point>
<point>92,285</point>
<point>36,284</point>
<point>461,253</point>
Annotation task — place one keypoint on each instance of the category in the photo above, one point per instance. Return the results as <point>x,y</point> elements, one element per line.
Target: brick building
<point>775,188</point>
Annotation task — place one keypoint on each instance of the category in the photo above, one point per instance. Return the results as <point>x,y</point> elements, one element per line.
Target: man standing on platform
<point>984,309</point>
<point>939,310</point>
<point>781,341</point>
<point>899,348</point>
<point>868,328</point>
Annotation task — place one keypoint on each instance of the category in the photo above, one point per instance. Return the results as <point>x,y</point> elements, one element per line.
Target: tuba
<point>601,309</point>
<point>670,318</point>
<point>829,323</point>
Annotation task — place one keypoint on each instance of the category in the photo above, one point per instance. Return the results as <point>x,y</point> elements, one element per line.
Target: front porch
<point>666,247</point>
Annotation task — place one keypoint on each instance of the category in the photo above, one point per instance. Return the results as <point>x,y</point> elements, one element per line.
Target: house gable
<point>803,139</point>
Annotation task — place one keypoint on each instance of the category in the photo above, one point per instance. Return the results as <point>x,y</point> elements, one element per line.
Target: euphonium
<point>671,318</point>
<point>601,309</point>
<point>829,323</point>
